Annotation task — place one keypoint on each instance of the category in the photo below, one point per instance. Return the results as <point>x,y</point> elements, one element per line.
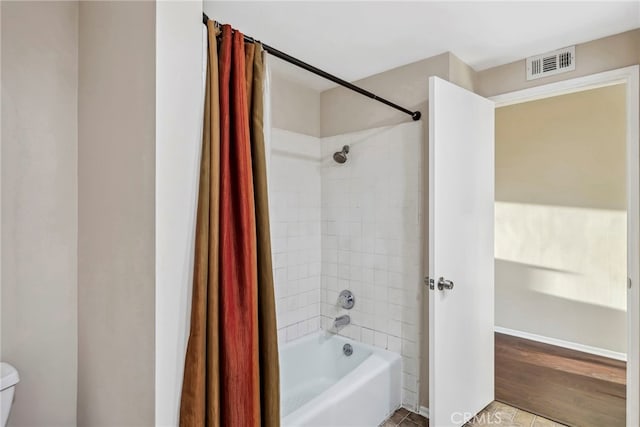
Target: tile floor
<point>500,414</point>
<point>496,414</point>
<point>404,418</point>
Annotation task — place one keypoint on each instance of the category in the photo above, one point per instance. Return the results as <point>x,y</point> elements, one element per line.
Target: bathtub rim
<point>387,358</point>
<point>384,353</point>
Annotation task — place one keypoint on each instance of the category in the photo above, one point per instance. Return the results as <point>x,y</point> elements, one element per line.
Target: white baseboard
<point>561,343</point>
<point>424,411</point>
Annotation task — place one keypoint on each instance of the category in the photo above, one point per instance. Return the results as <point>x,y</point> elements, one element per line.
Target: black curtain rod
<point>415,115</point>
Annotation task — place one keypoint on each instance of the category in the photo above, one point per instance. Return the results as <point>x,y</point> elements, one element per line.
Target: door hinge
<point>628,282</point>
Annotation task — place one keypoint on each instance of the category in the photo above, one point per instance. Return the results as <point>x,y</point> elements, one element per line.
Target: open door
<point>461,253</point>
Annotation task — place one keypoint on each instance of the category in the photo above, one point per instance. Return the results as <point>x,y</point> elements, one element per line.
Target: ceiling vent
<point>550,63</point>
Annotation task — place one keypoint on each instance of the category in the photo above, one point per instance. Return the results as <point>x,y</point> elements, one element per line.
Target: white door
<point>461,198</point>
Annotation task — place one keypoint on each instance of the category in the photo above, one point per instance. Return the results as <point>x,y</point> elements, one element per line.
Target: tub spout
<point>341,321</point>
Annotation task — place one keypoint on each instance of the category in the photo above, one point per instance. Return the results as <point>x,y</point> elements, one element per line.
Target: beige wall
<point>39,208</point>
<point>461,74</point>
<point>609,53</point>
<point>565,150</point>
<point>116,152</point>
<point>294,107</point>
<point>561,218</point>
<point>343,111</point>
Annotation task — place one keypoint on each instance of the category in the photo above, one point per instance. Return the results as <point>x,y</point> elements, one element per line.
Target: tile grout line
<point>406,418</point>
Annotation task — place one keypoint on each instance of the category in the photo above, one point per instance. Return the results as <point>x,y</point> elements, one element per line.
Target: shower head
<point>341,156</point>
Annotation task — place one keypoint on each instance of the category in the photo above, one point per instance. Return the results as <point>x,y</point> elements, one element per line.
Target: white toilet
<point>8,380</point>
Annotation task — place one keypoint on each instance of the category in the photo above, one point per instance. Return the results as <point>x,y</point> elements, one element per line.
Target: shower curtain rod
<point>415,115</point>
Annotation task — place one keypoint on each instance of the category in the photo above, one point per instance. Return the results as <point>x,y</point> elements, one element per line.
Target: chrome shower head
<point>341,156</point>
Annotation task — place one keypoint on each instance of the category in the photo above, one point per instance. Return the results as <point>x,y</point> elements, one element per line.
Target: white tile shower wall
<point>371,240</point>
<point>294,192</point>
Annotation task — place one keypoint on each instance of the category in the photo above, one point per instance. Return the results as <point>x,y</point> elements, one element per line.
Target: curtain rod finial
<point>416,115</point>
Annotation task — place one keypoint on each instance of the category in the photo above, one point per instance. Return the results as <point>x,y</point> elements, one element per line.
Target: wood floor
<point>567,386</point>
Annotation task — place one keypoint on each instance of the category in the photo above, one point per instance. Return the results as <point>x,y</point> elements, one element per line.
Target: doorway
<point>461,248</point>
<point>560,249</point>
<point>567,249</point>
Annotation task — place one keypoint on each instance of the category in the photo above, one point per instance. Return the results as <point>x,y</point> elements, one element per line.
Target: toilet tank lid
<point>8,376</point>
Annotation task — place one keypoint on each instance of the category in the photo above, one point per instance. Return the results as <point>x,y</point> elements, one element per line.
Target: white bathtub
<point>322,387</point>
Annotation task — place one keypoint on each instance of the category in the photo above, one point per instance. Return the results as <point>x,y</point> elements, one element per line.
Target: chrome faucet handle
<point>346,299</point>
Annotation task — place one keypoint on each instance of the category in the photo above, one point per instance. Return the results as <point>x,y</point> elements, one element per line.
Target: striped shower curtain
<point>231,375</point>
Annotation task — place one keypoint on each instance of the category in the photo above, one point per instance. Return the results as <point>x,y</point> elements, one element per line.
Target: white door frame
<point>628,76</point>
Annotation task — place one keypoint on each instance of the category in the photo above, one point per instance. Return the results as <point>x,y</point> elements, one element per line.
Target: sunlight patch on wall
<point>573,253</point>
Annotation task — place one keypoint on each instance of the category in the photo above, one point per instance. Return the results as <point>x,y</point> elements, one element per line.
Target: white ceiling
<point>357,39</point>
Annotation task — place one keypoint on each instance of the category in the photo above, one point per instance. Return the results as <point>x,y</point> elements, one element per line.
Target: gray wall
<point>39,208</point>
<point>116,207</point>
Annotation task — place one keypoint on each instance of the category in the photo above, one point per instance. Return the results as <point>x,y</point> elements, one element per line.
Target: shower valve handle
<point>346,299</point>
